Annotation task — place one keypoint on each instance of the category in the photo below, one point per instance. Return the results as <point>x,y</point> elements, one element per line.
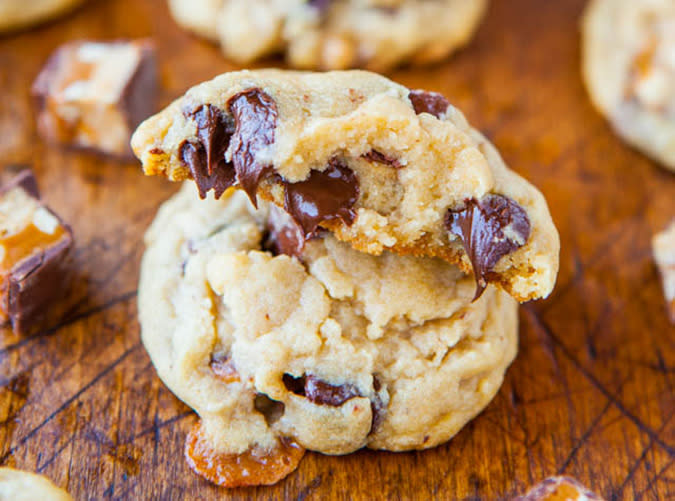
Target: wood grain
<point>590,395</point>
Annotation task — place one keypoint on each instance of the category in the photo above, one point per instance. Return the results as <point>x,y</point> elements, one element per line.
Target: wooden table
<point>590,395</point>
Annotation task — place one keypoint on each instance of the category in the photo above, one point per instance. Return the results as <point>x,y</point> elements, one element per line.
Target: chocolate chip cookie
<point>382,167</point>
<point>17,485</point>
<point>281,348</point>
<point>629,68</point>
<point>17,14</point>
<point>333,34</point>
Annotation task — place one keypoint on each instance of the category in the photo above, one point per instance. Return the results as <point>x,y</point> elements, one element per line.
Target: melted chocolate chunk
<point>324,196</point>
<point>285,236</point>
<point>490,228</point>
<point>251,129</point>
<point>381,158</point>
<point>318,391</point>
<point>271,410</point>
<point>194,156</point>
<point>424,101</point>
<point>255,115</point>
<point>206,159</point>
<point>377,408</point>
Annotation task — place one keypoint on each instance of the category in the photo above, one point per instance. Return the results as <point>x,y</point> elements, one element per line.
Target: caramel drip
<point>253,467</point>
<point>25,243</point>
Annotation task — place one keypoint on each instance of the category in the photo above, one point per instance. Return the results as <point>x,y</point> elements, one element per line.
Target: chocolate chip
<point>381,158</point>
<point>318,391</point>
<point>424,101</point>
<point>206,159</point>
<point>194,156</point>
<point>490,228</point>
<point>324,196</point>
<point>251,130</point>
<point>284,235</point>
<point>377,407</point>
<point>255,115</point>
<point>272,410</point>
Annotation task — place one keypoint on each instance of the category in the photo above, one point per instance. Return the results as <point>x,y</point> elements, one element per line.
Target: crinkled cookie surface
<point>383,167</point>
<point>330,349</point>
<point>629,68</point>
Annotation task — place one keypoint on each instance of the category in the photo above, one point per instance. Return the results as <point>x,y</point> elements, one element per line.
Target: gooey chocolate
<point>285,236</point>
<point>206,159</point>
<point>490,228</point>
<point>325,195</point>
<point>320,392</point>
<point>424,101</point>
<point>255,115</point>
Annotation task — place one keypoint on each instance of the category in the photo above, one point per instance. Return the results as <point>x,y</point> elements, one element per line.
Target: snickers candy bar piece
<point>380,166</point>
<point>34,253</point>
<point>92,95</point>
<point>663,245</point>
<point>559,489</point>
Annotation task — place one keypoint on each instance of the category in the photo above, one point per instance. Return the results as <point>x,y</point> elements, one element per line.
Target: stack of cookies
<point>342,273</point>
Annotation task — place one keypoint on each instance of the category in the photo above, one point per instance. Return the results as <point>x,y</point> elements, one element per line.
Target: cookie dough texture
<point>16,485</point>
<point>400,334</point>
<point>17,14</point>
<point>333,34</point>
<point>629,68</point>
<point>434,161</point>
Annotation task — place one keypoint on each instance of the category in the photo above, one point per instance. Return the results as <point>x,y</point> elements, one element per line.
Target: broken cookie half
<point>382,167</point>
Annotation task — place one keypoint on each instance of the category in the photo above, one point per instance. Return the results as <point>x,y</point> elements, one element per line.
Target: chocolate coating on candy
<point>325,195</point>
<point>424,101</point>
<point>490,228</point>
<point>255,115</point>
<point>25,180</point>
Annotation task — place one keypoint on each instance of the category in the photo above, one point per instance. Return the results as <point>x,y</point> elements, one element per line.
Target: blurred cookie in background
<point>663,245</point>
<point>17,485</point>
<point>333,34</point>
<point>19,14</point>
<point>629,68</point>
